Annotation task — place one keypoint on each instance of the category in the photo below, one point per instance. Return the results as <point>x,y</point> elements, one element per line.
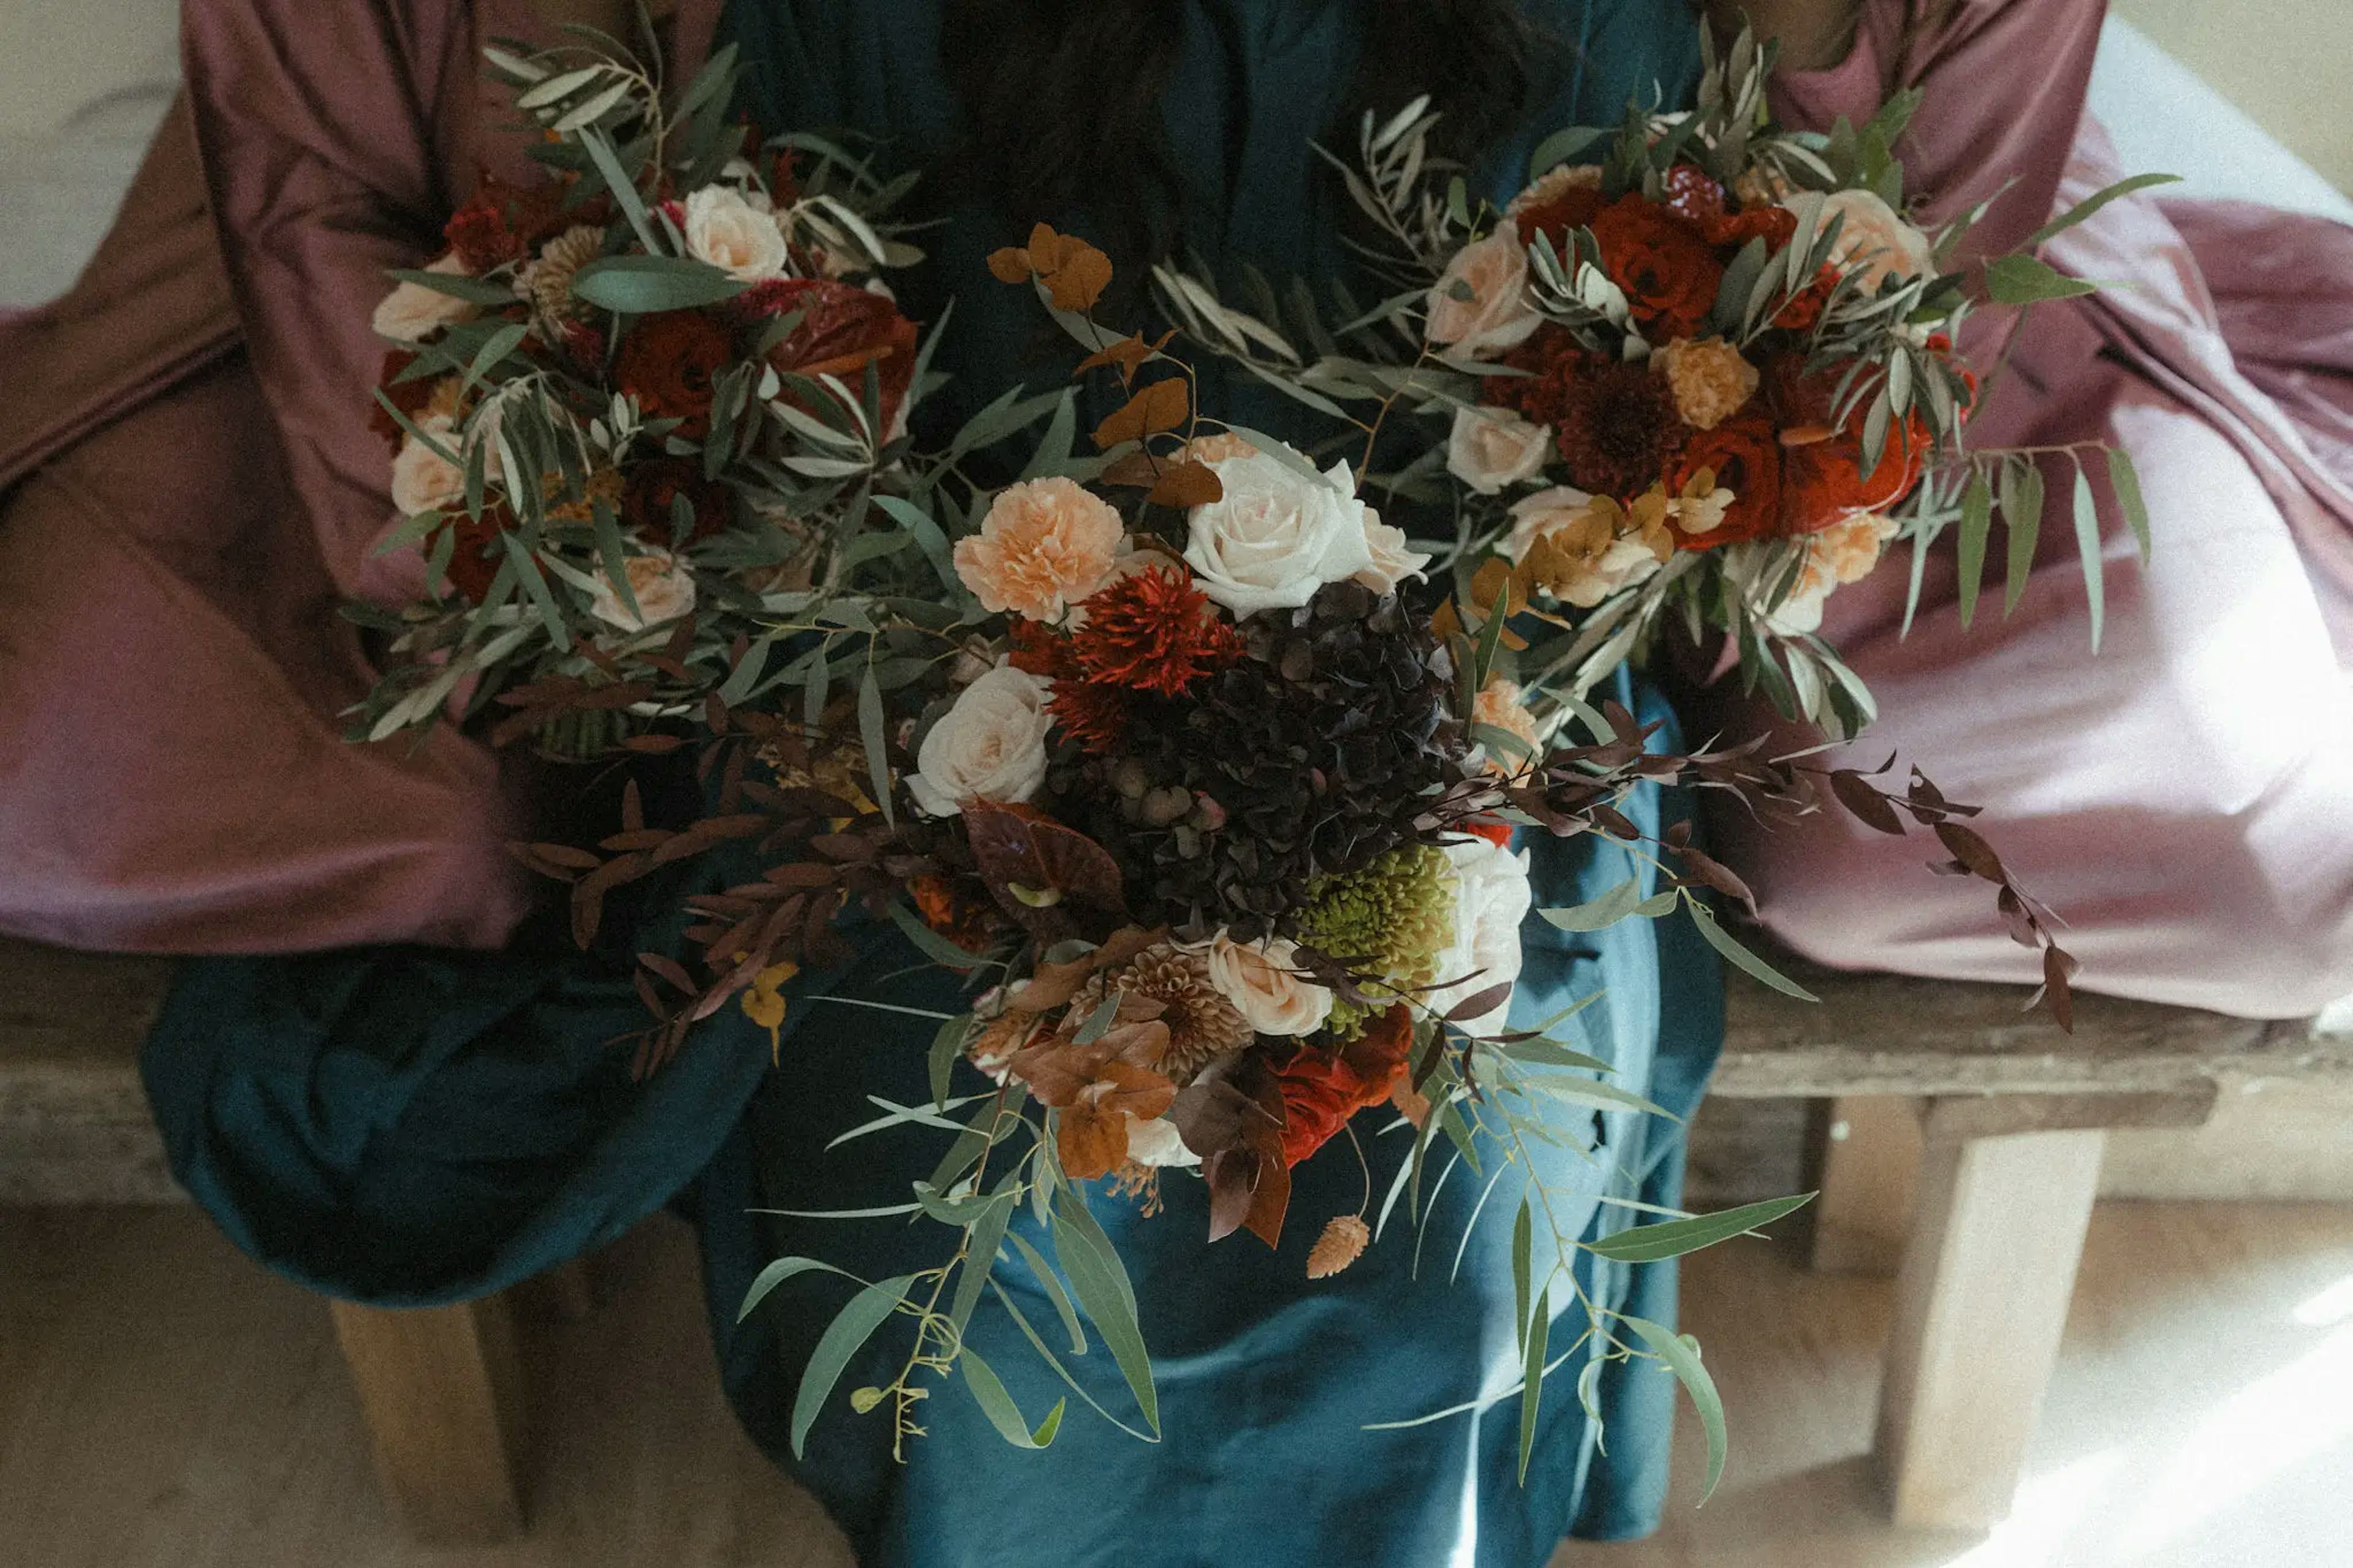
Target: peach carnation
<point>1846,552</point>
<point>1499,705</point>
<point>1045,545</point>
<point>1709,378</point>
<point>1555,184</point>
<point>1216,447</point>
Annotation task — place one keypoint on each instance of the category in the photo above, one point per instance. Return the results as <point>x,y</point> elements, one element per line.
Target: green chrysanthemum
<point>1393,918</point>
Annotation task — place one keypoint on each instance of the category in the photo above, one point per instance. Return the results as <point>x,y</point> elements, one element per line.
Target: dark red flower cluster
<point>842,330</point>
<point>656,484</point>
<point>409,397</point>
<point>503,222</point>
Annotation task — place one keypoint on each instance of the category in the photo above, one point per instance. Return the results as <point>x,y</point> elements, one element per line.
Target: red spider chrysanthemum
<point>1094,713</point>
<point>1154,631</point>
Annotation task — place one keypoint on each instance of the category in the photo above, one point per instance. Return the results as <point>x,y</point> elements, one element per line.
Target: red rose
<point>1805,307</point>
<point>1669,272</point>
<point>1321,1092</point>
<point>475,561</point>
<point>841,331</point>
<point>1744,452</point>
<point>668,362</point>
<point>1821,466</point>
<point>652,487</point>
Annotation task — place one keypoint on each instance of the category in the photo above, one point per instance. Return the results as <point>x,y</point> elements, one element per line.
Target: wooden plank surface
<point>441,1391</point>
<point>74,1126</point>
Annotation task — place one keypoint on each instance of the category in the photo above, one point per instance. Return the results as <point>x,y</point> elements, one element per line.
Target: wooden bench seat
<point>1957,1145</point>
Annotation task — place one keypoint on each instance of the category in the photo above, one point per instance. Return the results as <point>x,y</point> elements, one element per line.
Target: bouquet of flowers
<point>1701,372</point>
<point>1158,743</point>
<point>630,406</point>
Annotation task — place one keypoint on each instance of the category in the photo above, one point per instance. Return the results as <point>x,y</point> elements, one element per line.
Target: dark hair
<point>1063,96</point>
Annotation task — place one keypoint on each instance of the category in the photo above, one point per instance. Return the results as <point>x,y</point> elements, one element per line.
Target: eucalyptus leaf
<point>639,285</point>
<point>843,1338</point>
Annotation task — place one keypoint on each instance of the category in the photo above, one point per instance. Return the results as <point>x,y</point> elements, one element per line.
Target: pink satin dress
<point>2184,799</point>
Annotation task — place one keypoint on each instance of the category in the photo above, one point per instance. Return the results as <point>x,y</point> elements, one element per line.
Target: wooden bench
<point>1956,1142</point>
<point>440,1388</point>
<point>1958,1146</point>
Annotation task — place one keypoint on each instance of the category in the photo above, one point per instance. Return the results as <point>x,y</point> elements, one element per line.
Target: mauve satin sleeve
<point>2002,88</point>
<point>331,136</point>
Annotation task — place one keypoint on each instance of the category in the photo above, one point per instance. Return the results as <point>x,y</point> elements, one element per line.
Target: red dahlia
<point>1616,427</point>
<point>1154,631</point>
<point>668,362</point>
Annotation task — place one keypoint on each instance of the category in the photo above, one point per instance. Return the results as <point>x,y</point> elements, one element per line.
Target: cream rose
<point>424,481</point>
<point>412,312</point>
<point>1393,563</point>
<point>724,230</point>
<point>1875,234</point>
<point>1156,1142</point>
<point>1277,535</point>
<point>991,744</point>
<point>661,585</point>
<point>1491,449</point>
<point>1258,979</point>
<point>1481,302</point>
<point>1491,900</point>
<point>1846,552</point>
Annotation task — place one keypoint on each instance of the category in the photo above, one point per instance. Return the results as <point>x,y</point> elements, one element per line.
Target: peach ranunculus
<point>1710,378</point>
<point>1498,705</point>
<point>1045,545</point>
<point>412,312</point>
<point>1846,552</point>
<point>1873,237</point>
<point>1480,303</point>
<point>730,233</point>
<point>1491,449</point>
<point>663,587</point>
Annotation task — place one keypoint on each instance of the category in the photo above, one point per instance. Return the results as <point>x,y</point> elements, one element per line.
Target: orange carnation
<point>1045,545</point>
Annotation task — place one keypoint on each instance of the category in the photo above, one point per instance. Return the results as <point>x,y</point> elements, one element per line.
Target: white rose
<point>1491,900</point>
<point>424,481</point>
<point>1276,535</point>
<point>729,232</point>
<point>412,312</point>
<point>1873,235</point>
<point>663,587</point>
<point>1393,563</point>
<point>1157,1143</point>
<point>1491,449</point>
<point>1259,979</point>
<point>991,744</point>
<point>1480,303</point>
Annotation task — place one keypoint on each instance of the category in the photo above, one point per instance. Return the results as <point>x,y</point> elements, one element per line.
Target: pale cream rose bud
<point>661,585</point>
<point>1480,303</point>
<point>989,745</point>
<point>412,312</point>
<point>1491,449</point>
<point>1710,378</point>
<point>724,230</point>
<point>1393,563</point>
<point>1258,979</point>
<point>1873,238</point>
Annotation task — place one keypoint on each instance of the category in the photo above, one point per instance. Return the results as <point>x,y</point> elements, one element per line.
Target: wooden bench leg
<point>441,1390</point>
<point>1865,1151</point>
<point>1979,1305</point>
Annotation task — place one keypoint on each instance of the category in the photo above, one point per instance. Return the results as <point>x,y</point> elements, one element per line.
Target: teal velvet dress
<point>408,1126</point>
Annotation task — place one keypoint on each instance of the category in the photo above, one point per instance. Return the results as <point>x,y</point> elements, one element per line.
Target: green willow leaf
<point>1523,1285</point>
<point>2087,549</point>
<point>1976,523</point>
<point>1051,1284</point>
<point>980,1252</point>
<point>1673,1238</point>
<point>1101,1283</point>
<point>1532,1389</point>
<point>639,285</point>
<point>2093,204</point>
<point>2024,280</point>
<point>776,1274</point>
<point>1600,914</point>
<point>1680,1353</point>
<point>1741,958</point>
<point>870,737</point>
<point>2021,516</point>
<point>2125,477</point>
<point>850,1329</point>
<point>988,1392</point>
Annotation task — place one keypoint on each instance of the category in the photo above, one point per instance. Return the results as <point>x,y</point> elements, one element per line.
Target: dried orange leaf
<point>1010,265</point>
<point>1081,280</point>
<point>1185,485</point>
<point>1163,405</point>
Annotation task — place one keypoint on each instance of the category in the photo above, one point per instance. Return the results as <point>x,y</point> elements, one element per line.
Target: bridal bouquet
<point>1701,372</point>
<point>628,405</point>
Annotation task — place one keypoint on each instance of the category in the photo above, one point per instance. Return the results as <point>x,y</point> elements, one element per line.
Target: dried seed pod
<point>1342,1242</point>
